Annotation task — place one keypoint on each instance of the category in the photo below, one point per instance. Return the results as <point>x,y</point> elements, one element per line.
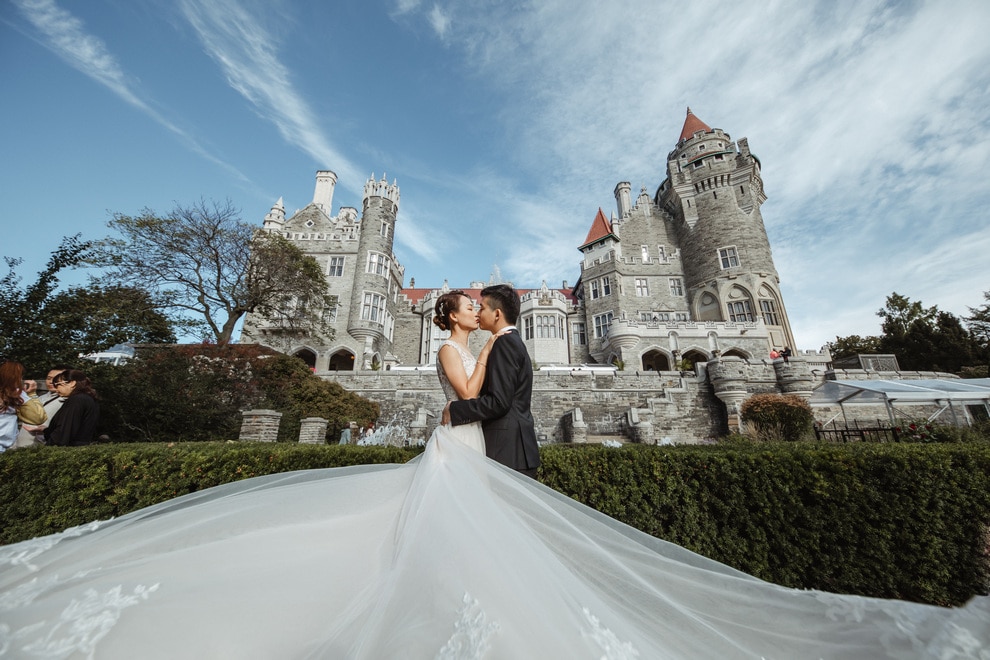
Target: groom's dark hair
<point>505,298</point>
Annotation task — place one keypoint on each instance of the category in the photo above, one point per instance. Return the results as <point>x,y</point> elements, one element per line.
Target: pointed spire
<point>692,125</point>
<point>600,228</point>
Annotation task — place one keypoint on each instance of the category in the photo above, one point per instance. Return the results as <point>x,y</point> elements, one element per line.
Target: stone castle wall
<point>651,407</point>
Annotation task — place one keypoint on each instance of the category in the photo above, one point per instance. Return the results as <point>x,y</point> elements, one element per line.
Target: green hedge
<point>886,520</point>
<point>902,521</point>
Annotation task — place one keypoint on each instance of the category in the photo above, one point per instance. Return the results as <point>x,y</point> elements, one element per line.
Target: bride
<point>448,556</point>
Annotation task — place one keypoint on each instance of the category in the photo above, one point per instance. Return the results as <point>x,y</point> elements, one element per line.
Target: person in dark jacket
<point>75,422</point>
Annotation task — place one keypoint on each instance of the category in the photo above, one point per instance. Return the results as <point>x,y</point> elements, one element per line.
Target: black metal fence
<point>855,432</point>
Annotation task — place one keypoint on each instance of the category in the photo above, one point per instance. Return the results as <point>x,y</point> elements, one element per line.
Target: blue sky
<point>508,124</point>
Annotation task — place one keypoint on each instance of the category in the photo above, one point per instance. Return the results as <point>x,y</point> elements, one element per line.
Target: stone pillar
<point>728,378</point>
<point>575,428</point>
<point>794,377</point>
<point>313,431</point>
<point>260,425</point>
<point>640,430</point>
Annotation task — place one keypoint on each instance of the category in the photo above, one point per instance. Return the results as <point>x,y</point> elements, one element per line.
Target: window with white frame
<point>335,267</point>
<point>373,308</point>
<point>579,334</point>
<point>728,257</point>
<point>384,229</point>
<point>606,286</point>
<point>642,287</point>
<point>740,311</point>
<point>602,324</point>
<point>528,327</point>
<point>595,291</point>
<point>646,253</point>
<point>676,286</point>
<point>769,311</point>
<point>378,264</point>
<point>661,253</point>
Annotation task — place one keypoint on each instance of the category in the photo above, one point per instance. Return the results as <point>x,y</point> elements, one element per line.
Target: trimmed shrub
<point>778,417</point>
<point>197,393</point>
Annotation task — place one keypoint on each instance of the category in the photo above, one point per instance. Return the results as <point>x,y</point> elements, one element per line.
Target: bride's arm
<point>466,388</point>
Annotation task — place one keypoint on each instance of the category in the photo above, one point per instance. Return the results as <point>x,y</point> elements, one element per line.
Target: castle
<point>682,276</point>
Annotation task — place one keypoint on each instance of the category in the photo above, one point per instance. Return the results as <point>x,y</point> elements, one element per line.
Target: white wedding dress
<point>448,556</point>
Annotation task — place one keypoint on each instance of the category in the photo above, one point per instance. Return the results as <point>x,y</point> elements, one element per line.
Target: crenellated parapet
<point>382,189</point>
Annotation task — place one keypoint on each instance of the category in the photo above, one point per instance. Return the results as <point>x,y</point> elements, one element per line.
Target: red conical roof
<point>600,228</point>
<point>692,125</point>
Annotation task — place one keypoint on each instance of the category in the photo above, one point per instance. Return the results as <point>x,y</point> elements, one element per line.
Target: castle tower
<point>377,278</point>
<point>623,201</point>
<point>275,219</point>
<point>714,193</point>
<point>326,181</point>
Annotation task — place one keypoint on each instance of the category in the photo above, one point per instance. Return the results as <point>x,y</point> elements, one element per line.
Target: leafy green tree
<point>900,313</point>
<point>979,327</point>
<point>203,264</point>
<point>844,347</point>
<point>922,338</point>
<point>41,326</point>
<point>26,333</point>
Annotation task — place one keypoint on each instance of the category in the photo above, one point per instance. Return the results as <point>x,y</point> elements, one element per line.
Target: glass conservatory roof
<point>904,391</point>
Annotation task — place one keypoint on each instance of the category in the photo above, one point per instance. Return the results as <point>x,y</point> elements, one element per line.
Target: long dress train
<point>448,556</point>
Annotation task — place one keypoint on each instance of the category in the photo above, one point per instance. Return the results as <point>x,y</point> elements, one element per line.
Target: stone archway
<point>656,361</point>
<point>694,356</point>
<point>341,361</point>
<point>735,352</point>
<point>307,356</point>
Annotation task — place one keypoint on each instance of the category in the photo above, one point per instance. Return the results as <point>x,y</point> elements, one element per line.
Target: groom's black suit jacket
<point>503,405</point>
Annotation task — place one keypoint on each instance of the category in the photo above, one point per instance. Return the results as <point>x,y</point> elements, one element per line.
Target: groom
<point>502,406</point>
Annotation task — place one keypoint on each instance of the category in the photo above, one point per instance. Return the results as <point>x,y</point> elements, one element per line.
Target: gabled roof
<point>691,126</point>
<point>600,228</point>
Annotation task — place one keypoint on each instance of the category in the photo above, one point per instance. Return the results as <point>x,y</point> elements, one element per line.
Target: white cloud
<point>66,36</point>
<point>246,51</point>
<point>439,21</point>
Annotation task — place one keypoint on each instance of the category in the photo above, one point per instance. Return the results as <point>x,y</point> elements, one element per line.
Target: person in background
<point>786,353</point>
<point>345,435</point>
<point>18,403</point>
<point>75,422</point>
<point>34,435</point>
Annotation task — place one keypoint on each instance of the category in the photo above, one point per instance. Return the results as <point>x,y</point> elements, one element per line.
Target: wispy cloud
<point>439,21</point>
<point>246,51</point>
<point>66,36</point>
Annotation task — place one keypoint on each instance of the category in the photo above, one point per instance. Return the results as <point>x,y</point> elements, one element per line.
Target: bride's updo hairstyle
<point>446,305</point>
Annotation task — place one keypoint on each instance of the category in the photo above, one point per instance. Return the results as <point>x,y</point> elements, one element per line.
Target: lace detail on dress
<point>79,628</point>
<point>21,554</point>
<point>472,633</point>
<point>26,593</point>
<point>607,640</point>
<point>467,360</point>
<point>909,630</point>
